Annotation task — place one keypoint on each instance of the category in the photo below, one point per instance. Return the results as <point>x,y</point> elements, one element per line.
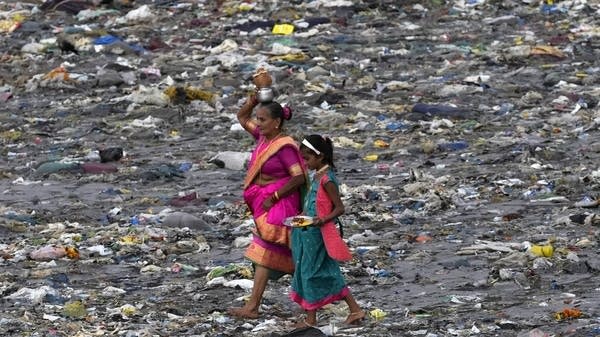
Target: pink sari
<point>270,244</point>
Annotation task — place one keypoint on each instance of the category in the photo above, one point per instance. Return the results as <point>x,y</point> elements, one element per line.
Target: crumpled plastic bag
<point>141,14</point>
<point>146,95</point>
<point>48,253</point>
<point>329,3</point>
<point>242,283</point>
<point>34,296</point>
<point>146,123</point>
<point>182,219</point>
<point>231,160</point>
<point>88,14</point>
<point>58,73</point>
<point>227,45</point>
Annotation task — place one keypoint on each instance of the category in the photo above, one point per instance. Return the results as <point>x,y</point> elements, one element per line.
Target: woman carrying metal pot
<point>272,192</point>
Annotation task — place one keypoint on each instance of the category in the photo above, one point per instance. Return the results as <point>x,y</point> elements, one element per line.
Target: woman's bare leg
<point>250,309</point>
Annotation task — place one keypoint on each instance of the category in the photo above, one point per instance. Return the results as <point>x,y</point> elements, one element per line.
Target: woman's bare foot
<point>243,312</point>
<point>355,318</point>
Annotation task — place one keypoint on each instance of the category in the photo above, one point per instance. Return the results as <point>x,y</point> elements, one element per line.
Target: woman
<point>271,191</point>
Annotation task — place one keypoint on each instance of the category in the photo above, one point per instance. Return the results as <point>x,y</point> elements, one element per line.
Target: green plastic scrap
<point>228,269</point>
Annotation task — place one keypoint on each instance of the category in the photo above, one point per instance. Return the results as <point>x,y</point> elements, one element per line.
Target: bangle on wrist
<point>276,194</point>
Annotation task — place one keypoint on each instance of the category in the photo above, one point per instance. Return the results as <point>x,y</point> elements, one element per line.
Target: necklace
<point>277,135</point>
<point>266,142</point>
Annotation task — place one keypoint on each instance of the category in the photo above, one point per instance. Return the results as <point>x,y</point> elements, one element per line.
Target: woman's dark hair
<point>277,111</point>
<point>322,144</point>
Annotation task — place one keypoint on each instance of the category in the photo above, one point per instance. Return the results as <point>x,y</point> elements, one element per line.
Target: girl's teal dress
<point>317,279</point>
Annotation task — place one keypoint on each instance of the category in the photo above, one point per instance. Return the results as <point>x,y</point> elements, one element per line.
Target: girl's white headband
<point>310,146</point>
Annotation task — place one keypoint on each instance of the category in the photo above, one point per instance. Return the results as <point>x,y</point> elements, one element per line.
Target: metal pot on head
<point>265,95</point>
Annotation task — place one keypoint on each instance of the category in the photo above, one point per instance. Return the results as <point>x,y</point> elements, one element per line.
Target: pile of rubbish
<point>466,139</point>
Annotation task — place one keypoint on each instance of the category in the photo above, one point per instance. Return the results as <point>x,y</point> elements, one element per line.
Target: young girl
<point>317,248</point>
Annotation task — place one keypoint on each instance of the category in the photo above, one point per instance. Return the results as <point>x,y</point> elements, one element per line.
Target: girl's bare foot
<point>243,312</point>
<point>355,318</point>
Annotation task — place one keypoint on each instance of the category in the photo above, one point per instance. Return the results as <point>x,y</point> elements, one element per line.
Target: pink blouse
<point>284,163</point>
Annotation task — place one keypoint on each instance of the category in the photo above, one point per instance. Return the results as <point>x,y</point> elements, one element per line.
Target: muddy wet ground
<point>440,205</point>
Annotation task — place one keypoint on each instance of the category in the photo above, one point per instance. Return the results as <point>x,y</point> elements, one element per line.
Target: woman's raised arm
<point>245,112</point>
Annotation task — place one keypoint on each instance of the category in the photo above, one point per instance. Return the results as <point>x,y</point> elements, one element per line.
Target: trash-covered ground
<point>467,143</point>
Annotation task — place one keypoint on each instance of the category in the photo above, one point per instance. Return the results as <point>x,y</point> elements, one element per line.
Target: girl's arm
<point>338,205</point>
<point>245,112</point>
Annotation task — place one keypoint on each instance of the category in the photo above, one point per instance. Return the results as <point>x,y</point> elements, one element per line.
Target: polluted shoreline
<point>466,143</point>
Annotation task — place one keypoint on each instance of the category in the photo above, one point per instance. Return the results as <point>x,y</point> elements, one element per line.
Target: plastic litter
<point>75,309</point>
<point>465,136</point>
<point>48,253</point>
<point>543,251</point>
